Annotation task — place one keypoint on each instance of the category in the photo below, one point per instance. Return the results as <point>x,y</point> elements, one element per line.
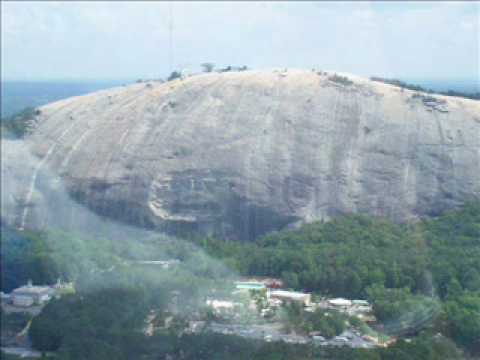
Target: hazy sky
<point>108,40</point>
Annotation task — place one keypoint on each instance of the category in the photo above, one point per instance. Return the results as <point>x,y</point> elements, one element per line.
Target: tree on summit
<point>208,67</point>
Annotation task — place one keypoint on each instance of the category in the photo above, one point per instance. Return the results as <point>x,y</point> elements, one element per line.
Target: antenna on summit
<point>170,36</point>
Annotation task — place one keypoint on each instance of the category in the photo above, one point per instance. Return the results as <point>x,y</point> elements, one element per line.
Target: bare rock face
<point>238,154</point>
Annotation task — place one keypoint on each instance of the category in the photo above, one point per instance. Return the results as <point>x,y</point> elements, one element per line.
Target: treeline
<point>44,257</point>
<point>422,278</point>
<point>92,325</point>
<point>345,256</point>
<point>16,126</point>
<point>340,258</point>
<point>416,275</point>
<point>404,85</point>
<point>25,257</point>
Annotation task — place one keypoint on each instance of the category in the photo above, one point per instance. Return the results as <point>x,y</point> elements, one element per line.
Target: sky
<point>43,40</point>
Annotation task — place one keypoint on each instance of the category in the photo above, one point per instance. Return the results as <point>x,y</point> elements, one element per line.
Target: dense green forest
<point>416,275</point>
<point>423,280</point>
<point>345,256</point>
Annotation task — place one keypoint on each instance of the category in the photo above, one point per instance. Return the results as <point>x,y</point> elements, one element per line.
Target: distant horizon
<point>440,84</point>
<point>21,93</point>
<point>135,78</point>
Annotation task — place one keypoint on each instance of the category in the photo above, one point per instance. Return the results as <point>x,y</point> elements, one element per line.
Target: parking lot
<point>273,332</point>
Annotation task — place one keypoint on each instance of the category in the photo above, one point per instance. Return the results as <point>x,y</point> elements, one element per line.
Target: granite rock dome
<point>238,154</point>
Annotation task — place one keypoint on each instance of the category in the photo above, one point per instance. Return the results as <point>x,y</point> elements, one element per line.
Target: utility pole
<point>170,37</point>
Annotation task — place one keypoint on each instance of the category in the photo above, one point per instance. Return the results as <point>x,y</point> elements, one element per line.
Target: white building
<point>164,264</point>
<point>360,302</point>
<point>222,304</point>
<point>291,296</point>
<point>29,295</point>
<point>249,285</point>
<point>340,303</point>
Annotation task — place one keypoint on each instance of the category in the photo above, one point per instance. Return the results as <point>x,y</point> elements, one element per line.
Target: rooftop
<point>158,262</point>
<point>222,303</point>
<point>360,302</point>
<point>31,290</point>
<point>286,293</point>
<point>250,285</point>
<point>340,302</point>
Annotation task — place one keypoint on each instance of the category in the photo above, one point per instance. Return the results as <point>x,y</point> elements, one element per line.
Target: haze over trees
<point>421,278</point>
<point>415,275</point>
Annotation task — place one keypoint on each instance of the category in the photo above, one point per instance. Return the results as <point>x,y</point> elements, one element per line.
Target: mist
<point>88,248</point>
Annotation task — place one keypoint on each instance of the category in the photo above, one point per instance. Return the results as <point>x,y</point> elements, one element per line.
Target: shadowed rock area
<point>238,154</point>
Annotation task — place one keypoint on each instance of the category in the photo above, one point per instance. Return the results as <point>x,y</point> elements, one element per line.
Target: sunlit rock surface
<point>238,154</point>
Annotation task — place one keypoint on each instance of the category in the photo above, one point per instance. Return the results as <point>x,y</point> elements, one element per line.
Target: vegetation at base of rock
<point>423,276</point>
<point>417,275</point>
<point>345,256</point>
<point>404,85</point>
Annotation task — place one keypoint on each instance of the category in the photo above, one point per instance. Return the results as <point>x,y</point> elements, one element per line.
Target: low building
<point>249,285</point>
<point>291,296</point>
<point>368,318</point>
<point>274,302</point>
<point>222,304</point>
<point>223,307</point>
<point>269,282</point>
<point>360,302</point>
<point>29,295</point>
<point>340,303</point>
<point>360,308</point>
<point>318,339</point>
<point>196,326</point>
<point>164,264</point>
